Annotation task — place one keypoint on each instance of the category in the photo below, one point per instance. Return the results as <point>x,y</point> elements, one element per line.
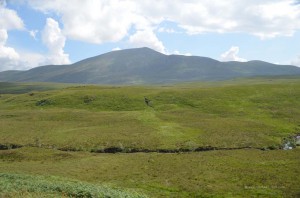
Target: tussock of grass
<point>19,185</point>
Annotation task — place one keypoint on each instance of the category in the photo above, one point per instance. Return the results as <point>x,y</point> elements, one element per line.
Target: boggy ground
<point>238,173</point>
<point>50,122</point>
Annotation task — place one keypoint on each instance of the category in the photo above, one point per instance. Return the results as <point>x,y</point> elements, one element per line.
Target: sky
<point>46,32</point>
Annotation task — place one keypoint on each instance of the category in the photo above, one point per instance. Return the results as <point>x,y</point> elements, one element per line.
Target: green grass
<point>19,185</point>
<point>191,116</point>
<point>257,112</point>
<point>236,173</point>
<point>18,88</point>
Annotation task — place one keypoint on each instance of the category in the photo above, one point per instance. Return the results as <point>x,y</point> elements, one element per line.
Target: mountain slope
<point>143,65</point>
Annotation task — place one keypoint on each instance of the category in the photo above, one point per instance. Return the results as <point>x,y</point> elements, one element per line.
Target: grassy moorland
<point>238,173</point>
<point>52,120</point>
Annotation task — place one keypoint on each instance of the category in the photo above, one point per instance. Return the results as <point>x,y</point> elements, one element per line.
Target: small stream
<point>291,142</point>
<point>287,144</point>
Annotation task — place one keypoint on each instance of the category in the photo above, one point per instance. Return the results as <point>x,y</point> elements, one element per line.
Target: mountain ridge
<point>146,66</point>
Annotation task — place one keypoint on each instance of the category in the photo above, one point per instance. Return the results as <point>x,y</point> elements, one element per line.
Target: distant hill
<point>146,66</point>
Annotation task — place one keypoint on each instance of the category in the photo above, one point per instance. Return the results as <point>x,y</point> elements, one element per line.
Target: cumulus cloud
<point>296,62</point>
<point>146,38</point>
<point>33,33</point>
<point>98,21</point>
<point>92,21</point>
<point>116,49</point>
<point>265,19</point>
<point>55,41</point>
<point>3,37</point>
<point>9,58</point>
<point>232,55</point>
<point>176,52</point>
<point>166,30</point>
<point>9,20</point>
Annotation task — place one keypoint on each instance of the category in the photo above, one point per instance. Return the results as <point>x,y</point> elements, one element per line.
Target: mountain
<point>146,66</point>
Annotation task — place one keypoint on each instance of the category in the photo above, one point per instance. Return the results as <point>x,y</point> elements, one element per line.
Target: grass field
<point>20,185</point>
<point>257,113</point>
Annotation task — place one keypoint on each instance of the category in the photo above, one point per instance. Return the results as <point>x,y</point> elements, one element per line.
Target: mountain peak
<point>147,66</point>
<point>140,50</point>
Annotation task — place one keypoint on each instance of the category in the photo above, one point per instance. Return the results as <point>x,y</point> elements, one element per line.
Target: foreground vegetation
<point>48,121</point>
<point>19,185</point>
<point>239,173</point>
<point>191,116</point>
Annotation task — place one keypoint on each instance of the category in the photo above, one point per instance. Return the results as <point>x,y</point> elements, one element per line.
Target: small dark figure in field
<point>147,101</point>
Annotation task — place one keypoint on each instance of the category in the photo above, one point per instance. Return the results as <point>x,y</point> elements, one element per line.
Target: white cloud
<point>33,33</point>
<point>116,49</point>
<point>30,60</point>
<point>296,62</point>
<point>92,21</point>
<point>176,52</point>
<point>9,19</point>
<point>9,58</point>
<point>3,37</point>
<point>55,42</point>
<point>146,38</point>
<point>166,30</point>
<point>262,18</point>
<point>99,21</point>
<point>232,55</point>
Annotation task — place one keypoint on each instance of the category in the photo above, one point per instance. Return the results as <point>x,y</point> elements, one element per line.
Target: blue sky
<point>43,32</point>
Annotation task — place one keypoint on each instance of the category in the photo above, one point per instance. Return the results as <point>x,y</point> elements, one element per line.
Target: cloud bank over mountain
<point>296,61</point>
<point>139,23</point>
<point>232,55</point>
<point>265,19</point>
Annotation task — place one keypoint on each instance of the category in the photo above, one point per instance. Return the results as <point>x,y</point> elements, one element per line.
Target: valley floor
<point>56,140</point>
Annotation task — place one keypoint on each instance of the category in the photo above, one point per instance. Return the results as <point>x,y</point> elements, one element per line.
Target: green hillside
<point>146,66</point>
<point>70,130</point>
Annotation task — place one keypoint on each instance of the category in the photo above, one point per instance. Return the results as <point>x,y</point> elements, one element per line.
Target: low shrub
<point>43,102</point>
<point>11,184</point>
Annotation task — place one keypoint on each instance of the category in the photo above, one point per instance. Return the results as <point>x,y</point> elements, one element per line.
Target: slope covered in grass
<point>19,88</point>
<point>146,66</point>
<point>182,116</point>
<point>249,113</point>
